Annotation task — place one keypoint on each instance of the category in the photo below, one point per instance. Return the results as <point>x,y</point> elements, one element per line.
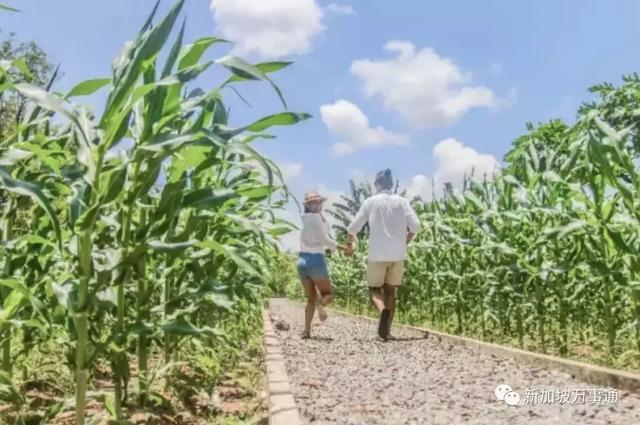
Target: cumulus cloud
<point>454,160</point>
<point>291,170</point>
<point>347,121</point>
<point>428,90</point>
<point>269,28</point>
<point>339,9</point>
<point>421,186</point>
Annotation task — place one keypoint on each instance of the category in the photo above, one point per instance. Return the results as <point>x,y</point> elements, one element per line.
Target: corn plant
<point>545,253</point>
<point>149,238</point>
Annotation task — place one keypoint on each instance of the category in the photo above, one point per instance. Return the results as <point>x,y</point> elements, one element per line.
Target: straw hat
<point>313,196</point>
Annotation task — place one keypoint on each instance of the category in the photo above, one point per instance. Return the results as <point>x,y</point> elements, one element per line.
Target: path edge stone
<point>282,406</point>
<point>589,373</point>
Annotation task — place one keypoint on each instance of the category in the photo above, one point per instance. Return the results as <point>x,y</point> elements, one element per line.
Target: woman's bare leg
<point>324,287</point>
<point>322,315</point>
<point>325,296</point>
<point>312,298</point>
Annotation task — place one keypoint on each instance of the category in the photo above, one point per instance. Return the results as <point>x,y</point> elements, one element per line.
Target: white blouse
<point>314,236</point>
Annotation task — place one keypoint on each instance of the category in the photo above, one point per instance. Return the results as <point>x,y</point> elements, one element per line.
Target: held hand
<point>349,251</point>
<point>346,250</point>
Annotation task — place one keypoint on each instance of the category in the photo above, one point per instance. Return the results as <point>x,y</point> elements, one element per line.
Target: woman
<point>312,265</point>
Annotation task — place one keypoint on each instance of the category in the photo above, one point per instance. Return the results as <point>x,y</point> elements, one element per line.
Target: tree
<point>617,106</point>
<point>41,72</point>
<point>547,140</point>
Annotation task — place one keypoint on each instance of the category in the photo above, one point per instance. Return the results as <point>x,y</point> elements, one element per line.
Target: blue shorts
<point>312,266</point>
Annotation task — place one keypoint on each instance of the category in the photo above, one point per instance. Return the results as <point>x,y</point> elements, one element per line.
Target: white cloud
<point>346,121</point>
<point>454,160</point>
<point>291,170</point>
<point>421,186</point>
<point>269,28</point>
<point>426,89</point>
<point>339,9</point>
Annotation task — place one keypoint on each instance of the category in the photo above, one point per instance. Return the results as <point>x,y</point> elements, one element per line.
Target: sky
<point>429,89</point>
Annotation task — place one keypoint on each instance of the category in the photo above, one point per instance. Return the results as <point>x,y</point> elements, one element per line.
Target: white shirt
<point>390,217</point>
<point>314,237</point>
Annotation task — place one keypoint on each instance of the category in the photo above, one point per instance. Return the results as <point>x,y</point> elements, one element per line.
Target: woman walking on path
<point>312,265</point>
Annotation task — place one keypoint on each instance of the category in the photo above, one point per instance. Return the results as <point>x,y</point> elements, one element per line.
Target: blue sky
<point>429,89</point>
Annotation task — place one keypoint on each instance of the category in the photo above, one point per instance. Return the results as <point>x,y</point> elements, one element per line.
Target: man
<point>392,225</point>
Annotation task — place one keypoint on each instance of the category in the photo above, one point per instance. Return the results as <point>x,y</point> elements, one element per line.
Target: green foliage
<point>30,64</point>
<point>545,255</point>
<point>139,253</point>
<point>282,278</point>
<point>545,139</point>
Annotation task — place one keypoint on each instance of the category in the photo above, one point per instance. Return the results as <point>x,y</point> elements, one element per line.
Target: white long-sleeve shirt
<point>314,236</point>
<point>390,217</point>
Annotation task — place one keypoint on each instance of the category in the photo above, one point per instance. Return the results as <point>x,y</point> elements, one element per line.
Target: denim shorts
<point>312,265</point>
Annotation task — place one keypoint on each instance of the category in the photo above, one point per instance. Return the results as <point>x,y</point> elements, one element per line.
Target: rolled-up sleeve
<point>413,223</point>
<point>360,219</point>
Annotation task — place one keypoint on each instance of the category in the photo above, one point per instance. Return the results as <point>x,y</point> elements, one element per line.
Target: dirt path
<point>346,375</point>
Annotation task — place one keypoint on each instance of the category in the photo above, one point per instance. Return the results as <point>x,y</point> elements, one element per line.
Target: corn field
<point>544,254</point>
<point>132,233</point>
<point>145,233</point>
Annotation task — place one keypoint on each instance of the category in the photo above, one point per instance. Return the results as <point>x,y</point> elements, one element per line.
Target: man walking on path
<point>392,225</point>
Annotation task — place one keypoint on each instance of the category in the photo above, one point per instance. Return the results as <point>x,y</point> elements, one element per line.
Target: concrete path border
<point>591,374</point>
<point>281,404</point>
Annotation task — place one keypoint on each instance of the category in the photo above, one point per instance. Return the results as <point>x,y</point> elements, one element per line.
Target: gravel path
<point>346,375</point>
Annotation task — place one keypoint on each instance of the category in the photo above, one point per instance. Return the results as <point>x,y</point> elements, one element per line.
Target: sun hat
<point>313,196</point>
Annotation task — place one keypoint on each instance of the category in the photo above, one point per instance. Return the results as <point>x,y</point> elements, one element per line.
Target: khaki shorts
<point>381,272</point>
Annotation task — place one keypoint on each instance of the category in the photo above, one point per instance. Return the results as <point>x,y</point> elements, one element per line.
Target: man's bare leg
<point>390,300</point>
<point>378,301</point>
<point>377,298</point>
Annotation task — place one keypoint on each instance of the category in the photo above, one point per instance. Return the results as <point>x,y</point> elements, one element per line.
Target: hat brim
<point>314,199</point>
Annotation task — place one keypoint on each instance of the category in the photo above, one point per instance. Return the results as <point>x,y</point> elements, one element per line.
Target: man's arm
<point>413,223</point>
<point>410,236</point>
<point>358,223</point>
